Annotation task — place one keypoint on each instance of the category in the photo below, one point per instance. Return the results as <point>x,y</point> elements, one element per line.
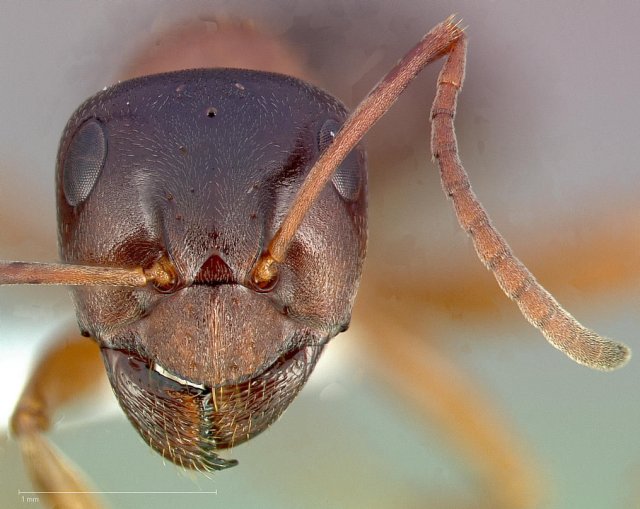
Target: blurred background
<point>547,126</point>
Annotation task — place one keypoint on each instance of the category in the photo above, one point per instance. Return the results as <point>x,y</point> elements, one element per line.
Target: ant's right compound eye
<point>83,161</point>
<point>347,178</point>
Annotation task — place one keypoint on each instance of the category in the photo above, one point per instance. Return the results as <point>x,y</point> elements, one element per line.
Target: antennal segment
<point>536,304</point>
<point>433,46</point>
<point>32,273</point>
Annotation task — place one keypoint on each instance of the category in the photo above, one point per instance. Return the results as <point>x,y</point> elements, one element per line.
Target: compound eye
<point>83,161</point>
<point>347,179</point>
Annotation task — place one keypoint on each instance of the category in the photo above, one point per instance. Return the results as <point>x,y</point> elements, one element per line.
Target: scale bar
<point>118,492</point>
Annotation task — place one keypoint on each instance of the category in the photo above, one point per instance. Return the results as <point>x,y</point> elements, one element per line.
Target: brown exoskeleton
<point>225,287</point>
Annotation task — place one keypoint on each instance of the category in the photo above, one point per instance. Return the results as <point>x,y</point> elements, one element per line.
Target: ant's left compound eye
<point>347,179</point>
<point>83,161</point>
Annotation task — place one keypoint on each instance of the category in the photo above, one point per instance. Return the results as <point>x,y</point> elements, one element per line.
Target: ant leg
<point>536,304</point>
<point>440,393</point>
<point>68,371</point>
